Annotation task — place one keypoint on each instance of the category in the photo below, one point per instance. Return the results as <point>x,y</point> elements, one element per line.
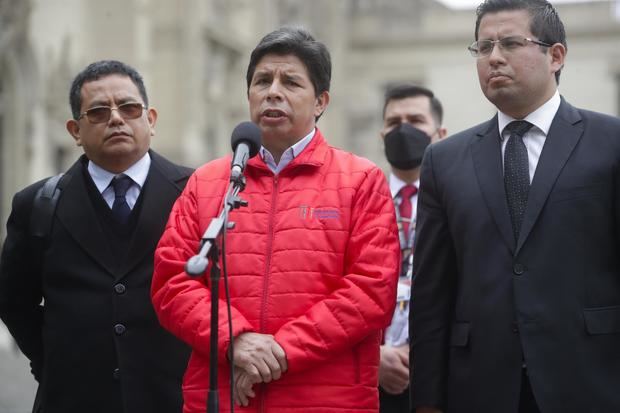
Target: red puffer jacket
<point>311,260</point>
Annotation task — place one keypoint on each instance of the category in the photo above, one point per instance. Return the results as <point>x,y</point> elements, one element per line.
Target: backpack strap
<point>44,206</point>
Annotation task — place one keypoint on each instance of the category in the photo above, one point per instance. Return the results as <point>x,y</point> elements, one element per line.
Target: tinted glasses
<point>101,114</point>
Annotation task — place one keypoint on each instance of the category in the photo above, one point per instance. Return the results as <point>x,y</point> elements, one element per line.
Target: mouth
<point>273,114</point>
<point>118,134</point>
<point>496,76</point>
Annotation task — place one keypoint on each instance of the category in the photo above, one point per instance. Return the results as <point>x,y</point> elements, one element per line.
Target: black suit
<point>483,303</point>
<point>95,344</point>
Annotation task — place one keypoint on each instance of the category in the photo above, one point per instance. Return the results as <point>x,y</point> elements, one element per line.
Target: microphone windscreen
<point>248,132</point>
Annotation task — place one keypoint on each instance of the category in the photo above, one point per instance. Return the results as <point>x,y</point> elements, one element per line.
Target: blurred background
<point>193,55</point>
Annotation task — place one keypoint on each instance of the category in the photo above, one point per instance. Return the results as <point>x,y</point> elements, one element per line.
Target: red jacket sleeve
<point>183,303</point>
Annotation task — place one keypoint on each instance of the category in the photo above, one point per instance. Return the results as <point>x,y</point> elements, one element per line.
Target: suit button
<point>120,288</point>
<point>119,329</point>
<point>116,374</point>
<point>518,269</point>
<point>515,328</point>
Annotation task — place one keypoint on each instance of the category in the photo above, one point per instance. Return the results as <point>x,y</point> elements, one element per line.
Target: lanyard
<point>406,241</point>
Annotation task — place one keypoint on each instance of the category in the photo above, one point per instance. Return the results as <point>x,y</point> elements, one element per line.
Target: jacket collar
<point>77,214</point>
<point>313,155</point>
<point>564,134</point>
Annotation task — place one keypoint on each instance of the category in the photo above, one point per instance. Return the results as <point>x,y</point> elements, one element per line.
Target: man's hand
<point>242,388</point>
<point>394,369</point>
<point>260,356</point>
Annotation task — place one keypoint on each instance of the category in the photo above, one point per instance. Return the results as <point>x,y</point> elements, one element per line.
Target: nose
<point>496,57</point>
<point>115,117</point>
<point>275,90</point>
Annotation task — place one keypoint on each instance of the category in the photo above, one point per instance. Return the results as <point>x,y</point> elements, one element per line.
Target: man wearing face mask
<point>412,117</point>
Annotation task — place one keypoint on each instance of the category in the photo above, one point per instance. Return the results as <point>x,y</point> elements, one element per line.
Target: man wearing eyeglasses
<point>78,303</point>
<point>516,300</point>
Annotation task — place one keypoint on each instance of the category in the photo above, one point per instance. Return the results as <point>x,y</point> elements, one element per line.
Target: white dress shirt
<point>291,153</point>
<point>137,172</point>
<point>534,139</point>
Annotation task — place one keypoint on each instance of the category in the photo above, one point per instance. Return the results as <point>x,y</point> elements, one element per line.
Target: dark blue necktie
<point>516,173</point>
<point>120,207</point>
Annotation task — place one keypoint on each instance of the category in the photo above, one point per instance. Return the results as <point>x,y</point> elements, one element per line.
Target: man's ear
<point>442,132</point>
<point>558,54</point>
<point>151,116</point>
<point>321,103</point>
<point>73,127</point>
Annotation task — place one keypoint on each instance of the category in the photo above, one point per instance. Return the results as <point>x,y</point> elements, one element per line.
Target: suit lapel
<point>77,214</point>
<point>487,156</point>
<point>565,132</point>
<point>159,192</point>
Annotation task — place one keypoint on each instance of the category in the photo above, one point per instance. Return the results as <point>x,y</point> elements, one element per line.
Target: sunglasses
<point>101,114</point>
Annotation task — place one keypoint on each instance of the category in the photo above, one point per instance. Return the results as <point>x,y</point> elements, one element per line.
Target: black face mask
<point>405,145</point>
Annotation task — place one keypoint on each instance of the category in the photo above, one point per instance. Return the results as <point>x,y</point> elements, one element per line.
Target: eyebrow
<point>293,76</point>
<point>262,73</point>
<point>269,73</point>
<point>95,103</point>
<point>416,116</point>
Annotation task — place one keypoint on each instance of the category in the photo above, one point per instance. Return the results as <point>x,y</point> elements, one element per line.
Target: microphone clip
<point>234,201</point>
<point>237,178</point>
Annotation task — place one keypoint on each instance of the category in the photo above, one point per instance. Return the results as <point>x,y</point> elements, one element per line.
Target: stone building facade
<point>193,55</point>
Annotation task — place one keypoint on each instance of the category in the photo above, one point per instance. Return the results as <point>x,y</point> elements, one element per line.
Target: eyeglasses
<point>483,48</point>
<point>101,114</point>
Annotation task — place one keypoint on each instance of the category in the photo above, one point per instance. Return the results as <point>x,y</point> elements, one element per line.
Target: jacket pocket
<point>459,335</point>
<point>602,320</point>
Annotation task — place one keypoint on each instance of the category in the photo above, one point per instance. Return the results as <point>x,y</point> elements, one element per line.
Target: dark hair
<point>545,23</point>
<point>404,91</point>
<point>97,70</point>
<point>299,42</point>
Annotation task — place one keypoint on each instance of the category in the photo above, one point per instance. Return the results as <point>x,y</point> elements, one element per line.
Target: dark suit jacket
<point>483,303</point>
<point>95,344</point>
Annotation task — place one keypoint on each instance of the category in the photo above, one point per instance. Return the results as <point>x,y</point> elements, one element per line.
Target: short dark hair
<point>97,70</point>
<point>299,42</point>
<point>404,91</point>
<point>545,22</point>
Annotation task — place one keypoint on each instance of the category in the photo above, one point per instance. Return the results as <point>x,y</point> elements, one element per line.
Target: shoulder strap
<point>44,205</point>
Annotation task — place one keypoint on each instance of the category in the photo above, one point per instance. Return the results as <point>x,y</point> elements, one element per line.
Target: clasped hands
<point>258,358</point>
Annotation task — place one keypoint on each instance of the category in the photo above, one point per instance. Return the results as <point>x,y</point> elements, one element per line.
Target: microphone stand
<point>197,265</point>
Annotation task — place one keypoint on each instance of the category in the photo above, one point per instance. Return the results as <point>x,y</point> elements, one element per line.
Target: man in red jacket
<point>311,260</point>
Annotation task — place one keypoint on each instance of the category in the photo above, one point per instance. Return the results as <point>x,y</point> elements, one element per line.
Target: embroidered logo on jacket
<point>306,212</point>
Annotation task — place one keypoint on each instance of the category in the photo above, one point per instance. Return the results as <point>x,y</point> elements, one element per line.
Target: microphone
<point>245,142</point>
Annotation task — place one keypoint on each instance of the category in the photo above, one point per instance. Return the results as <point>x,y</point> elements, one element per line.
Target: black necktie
<point>120,208</point>
<point>516,173</point>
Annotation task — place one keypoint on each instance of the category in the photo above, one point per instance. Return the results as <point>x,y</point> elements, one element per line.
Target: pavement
<point>17,386</point>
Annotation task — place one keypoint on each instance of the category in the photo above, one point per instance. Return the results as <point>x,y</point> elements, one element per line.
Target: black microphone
<point>245,142</point>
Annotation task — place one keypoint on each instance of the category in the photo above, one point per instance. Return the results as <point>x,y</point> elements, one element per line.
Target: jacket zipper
<point>263,318</point>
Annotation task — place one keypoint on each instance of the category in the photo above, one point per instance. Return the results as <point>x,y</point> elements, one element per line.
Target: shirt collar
<point>137,172</point>
<point>291,153</point>
<point>396,184</point>
<point>541,117</point>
